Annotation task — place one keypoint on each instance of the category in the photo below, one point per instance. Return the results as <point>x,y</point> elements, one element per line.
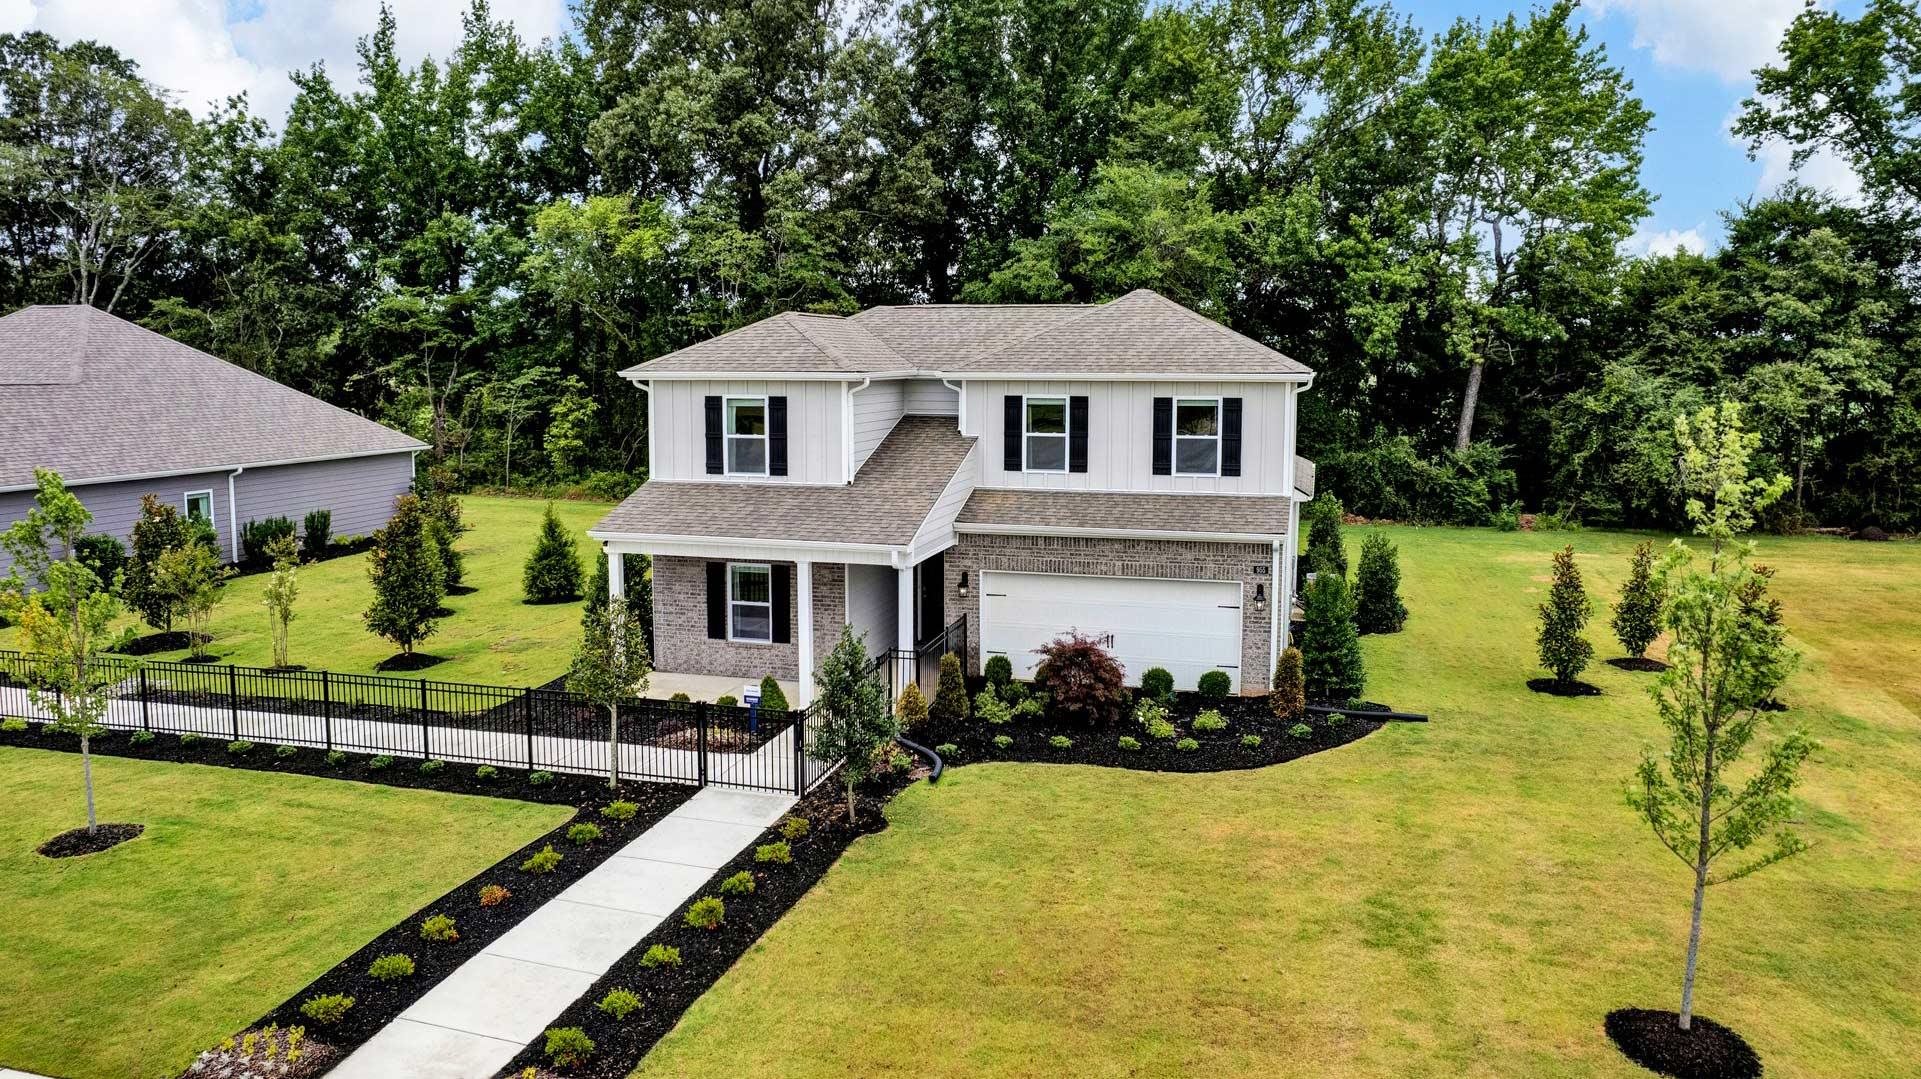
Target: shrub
<point>486,771</point>
<point>990,709</point>
<point>539,778</point>
<point>1508,518</point>
<point>1002,741</point>
<point>1187,745</point>
<point>1331,665</point>
<point>336,757</point>
<point>431,765</point>
<point>103,554</point>
<point>777,852</point>
<point>999,671</point>
<point>1030,709</point>
<point>283,752</point>
<point>379,763</point>
<point>1210,721</point>
<point>947,749</point>
<point>553,573</point>
<point>1129,742</point>
<point>619,1003</point>
<point>327,1008</point>
<point>583,833</point>
<point>14,725</point>
<point>1250,740</point>
<point>440,928</point>
<point>681,698</point>
<point>949,709</point>
<point>1214,685</point>
<point>239,747</point>
<point>391,967</point>
<point>568,1046</point>
<point>1288,699</point>
<point>546,860</point>
<point>1152,716</point>
<point>316,532</point>
<point>707,912</point>
<point>139,738</point>
<point>257,536</point>
<point>727,700</point>
<point>911,708</point>
<point>1377,587</point>
<point>1082,681</point>
<point>1301,730</point>
<point>660,955</point>
<point>1061,741</point>
<point>771,698</point>
<point>1326,552</point>
<point>741,883</point>
<point>1637,618</point>
<point>1014,693</point>
<point>1564,650</point>
<point>619,810</point>
<point>493,895</point>
<point>409,577</point>
<point>794,828</point>
<point>189,738</point>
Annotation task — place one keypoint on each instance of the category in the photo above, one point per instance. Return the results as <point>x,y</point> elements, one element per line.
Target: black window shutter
<point>715,459</point>
<point>1011,431</point>
<point>1077,434</point>
<point>783,595</point>
<point>1163,436</point>
<point>777,436</point>
<point>717,601</point>
<point>1230,436</point>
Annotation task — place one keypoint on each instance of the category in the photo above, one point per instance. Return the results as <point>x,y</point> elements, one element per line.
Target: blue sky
<point>1689,60</point>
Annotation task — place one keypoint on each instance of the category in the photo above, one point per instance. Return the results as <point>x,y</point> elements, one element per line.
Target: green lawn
<point>491,637</point>
<point>244,887</point>
<point>1463,898</point>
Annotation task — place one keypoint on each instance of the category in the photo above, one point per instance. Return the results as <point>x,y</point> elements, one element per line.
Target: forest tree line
<point>470,248</point>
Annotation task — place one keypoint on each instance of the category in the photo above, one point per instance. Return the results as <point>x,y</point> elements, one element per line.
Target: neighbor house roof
<point>1304,476</point>
<point>1059,512</point>
<point>884,506</point>
<point>96,397</point>
<point>1141,334</point>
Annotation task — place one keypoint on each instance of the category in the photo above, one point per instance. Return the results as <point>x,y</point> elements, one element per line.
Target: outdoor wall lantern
<point>963,584</point>
<point>1260,597</point>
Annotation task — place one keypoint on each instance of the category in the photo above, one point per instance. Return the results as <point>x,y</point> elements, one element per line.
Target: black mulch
<point>1654,1040</point>
<point>171,641</point>
<point>408,661</point>
<point>1558,688</point>
<point>705,955</point>
<point>80,841</point>
<point>461,590</point>
<point>1773,704</point>
<point>1638,663</point>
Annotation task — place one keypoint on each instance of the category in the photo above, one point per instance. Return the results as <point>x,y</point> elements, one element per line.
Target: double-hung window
<point>1044,434</point>
<point>199,506</point>
<point>1197,436</point>
<point>750,602</point>
<point>746,433</point>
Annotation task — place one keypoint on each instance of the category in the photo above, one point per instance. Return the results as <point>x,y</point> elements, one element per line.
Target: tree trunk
<point>86,770</point>
<point>850,804</point>
<point>1464,431</point>
<point>613,745</point>
<point>1700,885</point>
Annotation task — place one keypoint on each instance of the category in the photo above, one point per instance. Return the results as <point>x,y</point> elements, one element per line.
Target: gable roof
<point>1141,334</point>
<point>96,397</point>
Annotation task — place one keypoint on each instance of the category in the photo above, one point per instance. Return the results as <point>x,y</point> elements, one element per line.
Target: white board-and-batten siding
<point>815,445</point>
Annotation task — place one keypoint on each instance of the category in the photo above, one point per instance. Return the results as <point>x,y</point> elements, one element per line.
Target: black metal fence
<point>546,729</point>
<point>921,663</point>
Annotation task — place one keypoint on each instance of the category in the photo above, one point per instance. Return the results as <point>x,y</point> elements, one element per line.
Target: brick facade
<point>1248,563</point>
<point>681,643</point>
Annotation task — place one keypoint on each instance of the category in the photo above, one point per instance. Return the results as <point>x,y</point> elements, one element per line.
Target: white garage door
<point>1188,627</point>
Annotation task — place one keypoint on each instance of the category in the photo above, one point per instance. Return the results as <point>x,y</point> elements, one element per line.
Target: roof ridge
<point>836,360</point>
<point>786,318</point>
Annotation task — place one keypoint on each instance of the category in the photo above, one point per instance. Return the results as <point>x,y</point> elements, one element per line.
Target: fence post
<point>327,709</point>
<point>527,715</point>
<point>233,699</point>
<point>700,724</point>
<point>146,723</point>
<point>800,752</point>
<point>426,747</point>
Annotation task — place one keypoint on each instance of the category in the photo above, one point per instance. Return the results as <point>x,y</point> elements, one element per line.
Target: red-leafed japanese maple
<point>1083,683</point>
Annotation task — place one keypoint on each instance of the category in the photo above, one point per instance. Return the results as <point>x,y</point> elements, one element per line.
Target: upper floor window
<point>746,433</point>
<point>1197,436</point>
<point>1044,434</point>
<point>199,506</point>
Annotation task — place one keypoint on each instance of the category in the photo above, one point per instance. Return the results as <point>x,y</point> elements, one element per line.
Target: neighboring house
<point>120,412</point>
<point>1124,469</point>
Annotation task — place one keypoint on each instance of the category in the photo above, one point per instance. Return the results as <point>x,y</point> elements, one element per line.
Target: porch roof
<point>1068,512</point>
<point>891,495</point>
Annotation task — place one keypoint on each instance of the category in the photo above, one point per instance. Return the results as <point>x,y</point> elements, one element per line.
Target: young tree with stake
<point>1728,655</point>
<point>612,664</point>
<point>850,719</point>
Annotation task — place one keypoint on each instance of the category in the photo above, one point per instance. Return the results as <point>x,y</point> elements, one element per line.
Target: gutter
<point>233,510</point>
<point>1114,533</point>
<point>136,477</point>
<point>847,426</point>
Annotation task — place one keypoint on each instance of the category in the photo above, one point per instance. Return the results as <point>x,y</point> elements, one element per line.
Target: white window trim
<point>1220,419</point>
<point>768,568</point>
<point>1066,434</point>
<point>726,437</point>
<point>186,500</point>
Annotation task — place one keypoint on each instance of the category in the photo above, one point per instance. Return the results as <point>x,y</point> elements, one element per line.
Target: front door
<point>930,607</point>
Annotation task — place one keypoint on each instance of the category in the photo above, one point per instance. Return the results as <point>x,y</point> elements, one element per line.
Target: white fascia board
<point>1305,379</point>
<point>745,548</point>
<point>643,375</point>
<point>1117,533</point>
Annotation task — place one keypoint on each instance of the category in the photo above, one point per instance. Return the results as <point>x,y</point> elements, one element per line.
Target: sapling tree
<point>1377,587</point>
<point>1564,649</point>
<point>1728,654</point>
<point>612,664</point>
<point>1326,551</point>
<point>849,720</point>
<point>158,529</point>
<point>64,611</point>
<point>193,574</point>
<point>1637,617</point>
<point>1331,664</point>
<point>444,523</point>
<point>282,589</point>
<point>408,579</point>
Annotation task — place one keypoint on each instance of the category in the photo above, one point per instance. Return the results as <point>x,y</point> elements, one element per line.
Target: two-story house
<point>1124,469</point>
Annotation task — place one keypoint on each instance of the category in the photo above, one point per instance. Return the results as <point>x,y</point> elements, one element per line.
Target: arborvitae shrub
<point>553,573</point>
<point>1377,587</point>
<point>949,709</point>
<point>1288,699</point>
<point>1326,551</point>
<point>999,671</point>
<point>1564,649</point>
<point>1331,665</point>
<point>771,698</point>
<point>911,707</point>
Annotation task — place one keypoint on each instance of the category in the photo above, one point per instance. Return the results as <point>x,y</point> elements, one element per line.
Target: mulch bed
<point>72,844</point>
<point>171,641</point>
<point>1556,687</point>
<point>668,991</point>
<point>1638,663</point>
<point>408,661</point>
<point>1654,1040</point>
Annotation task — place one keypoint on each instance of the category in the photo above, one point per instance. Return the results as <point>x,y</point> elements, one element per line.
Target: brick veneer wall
<point>681,644</point>
<point>1248,563</point>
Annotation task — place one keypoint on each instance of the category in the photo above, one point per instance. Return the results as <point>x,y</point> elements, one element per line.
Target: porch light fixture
<point>963,584</point>
<point>1260,597</point>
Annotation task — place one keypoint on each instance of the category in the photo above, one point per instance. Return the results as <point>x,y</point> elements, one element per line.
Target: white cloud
<point>1823,172</point>
<point>1647,241</point>
<point>203,54</point>
<point>1728,38</point>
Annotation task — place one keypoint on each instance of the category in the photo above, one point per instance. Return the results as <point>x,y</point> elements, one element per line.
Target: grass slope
<point>244,887</point>
<point>1464,898</point>
<point>491,637</point>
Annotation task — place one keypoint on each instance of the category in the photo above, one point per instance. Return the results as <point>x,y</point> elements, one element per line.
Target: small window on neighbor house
<point>746,432</point>
<point>1044,435</point>
<point>1197,436</point>
<point>750,602</point>
<point>199,506</point>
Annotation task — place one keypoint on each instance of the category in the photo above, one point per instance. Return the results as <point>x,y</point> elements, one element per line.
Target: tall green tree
<point>849,721</point>
<point>1331,664</point>
<point>1562,640</point>
<point>409,581</point>
<point>612,664</point>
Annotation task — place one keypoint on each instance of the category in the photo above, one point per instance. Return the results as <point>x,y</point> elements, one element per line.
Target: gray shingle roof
<point>1304,476</point>
<point>885,505</point>
<point>1248,515</point>
<point>94,396</point>
<point>1142,333</point>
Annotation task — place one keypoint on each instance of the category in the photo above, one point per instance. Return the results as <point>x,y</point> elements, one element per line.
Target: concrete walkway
<point>474,1022</point>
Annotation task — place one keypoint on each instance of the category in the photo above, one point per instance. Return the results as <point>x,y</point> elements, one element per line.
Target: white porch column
<point>616,574</point>
<point>903,625</point>
<point>804,599</point>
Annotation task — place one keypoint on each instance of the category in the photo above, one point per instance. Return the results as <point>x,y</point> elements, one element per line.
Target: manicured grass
<point>492,636</point>
<point>244,887</point>
<point>1467,897</point>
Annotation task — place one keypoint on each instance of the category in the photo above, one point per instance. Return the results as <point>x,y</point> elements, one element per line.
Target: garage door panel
<point>1186,626</point>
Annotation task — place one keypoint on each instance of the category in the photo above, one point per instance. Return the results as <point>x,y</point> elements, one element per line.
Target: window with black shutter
<point>1077,434</point>
<point>1163,436</point>
<point>717,601</point>
<point>1230,436</point>
<point>716,460</point>
<point>777,436</point>
<point>1011,432</point>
